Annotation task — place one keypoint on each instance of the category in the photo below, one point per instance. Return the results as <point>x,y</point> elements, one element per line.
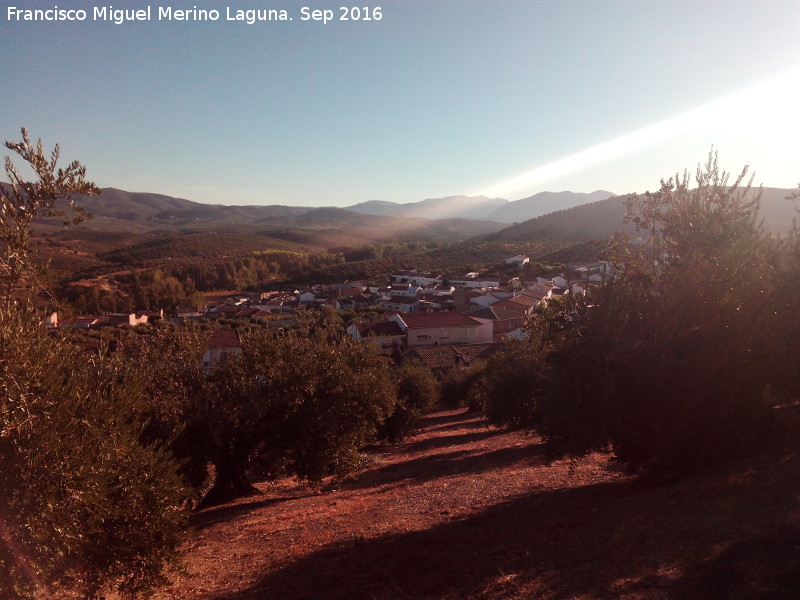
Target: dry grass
<point>463,511</point>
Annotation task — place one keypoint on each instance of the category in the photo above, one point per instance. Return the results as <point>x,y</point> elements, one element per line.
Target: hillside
<point>466,207</point>
<point>543,203</point>
<point>599,220</point>
<point>124,212</point>
<point>596,220</point>
<point>80,253</point>
<point>216,246</point>
<point>160,211</point>
<point>452,261</point>
<point>465,511</point>
<point>377,228</point>
<point>481,207</point>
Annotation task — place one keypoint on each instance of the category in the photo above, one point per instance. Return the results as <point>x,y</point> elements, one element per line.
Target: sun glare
<point>767,105</point>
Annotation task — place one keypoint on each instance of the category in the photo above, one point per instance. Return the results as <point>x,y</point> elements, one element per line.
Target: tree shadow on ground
<point>430,467</point>
<point>473,423</point>
<point>769,563</point>
<point>444,441</point>
<point>227,512</point>
<point>431,423</point>
<point>609,540</point>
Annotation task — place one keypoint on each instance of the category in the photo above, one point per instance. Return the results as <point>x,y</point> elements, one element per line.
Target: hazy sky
<point>436,98</point>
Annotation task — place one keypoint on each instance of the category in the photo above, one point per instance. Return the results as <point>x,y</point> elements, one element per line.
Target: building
<point>426,329</point>
<point>224,342</point>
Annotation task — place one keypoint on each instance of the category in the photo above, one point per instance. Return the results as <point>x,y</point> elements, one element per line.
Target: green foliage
<point>456,260</point>
<point>463,387</point>
<point>23,201</point>
<point>417,393</point>
<point>509,386</point>
<point>670,363</point>
<point>335,394</point>
<point>300,402</point>
<point>85,506</point>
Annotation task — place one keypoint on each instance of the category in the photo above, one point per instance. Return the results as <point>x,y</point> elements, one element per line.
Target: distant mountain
<point>160,211</point>
<point>480,207</point>
<point>121,212</point>
<point>593,221</point>
<point>451,207</point>
<point>543,203</point>
<point>377,207</point>
<point>599,220</point>
<point>451,219</point>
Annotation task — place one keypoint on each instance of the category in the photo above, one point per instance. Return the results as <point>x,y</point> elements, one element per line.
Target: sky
<point>505,98</point>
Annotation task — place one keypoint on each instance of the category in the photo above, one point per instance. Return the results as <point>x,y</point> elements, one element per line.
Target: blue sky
<point>437,98</point>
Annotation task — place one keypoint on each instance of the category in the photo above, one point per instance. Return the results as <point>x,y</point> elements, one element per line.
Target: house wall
<point>428,336</point>
<point>212,355</point>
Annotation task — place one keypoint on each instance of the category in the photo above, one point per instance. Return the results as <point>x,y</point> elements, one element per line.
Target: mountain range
<point>451,218</point>
<point>564,216</point>
<point>482,208</point>
<point>599,220</point>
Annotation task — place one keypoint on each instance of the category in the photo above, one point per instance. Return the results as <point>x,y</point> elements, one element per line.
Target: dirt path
<point>464,511</point>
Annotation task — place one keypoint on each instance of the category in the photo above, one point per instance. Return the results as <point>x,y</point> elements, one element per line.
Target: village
<point>443,323</point>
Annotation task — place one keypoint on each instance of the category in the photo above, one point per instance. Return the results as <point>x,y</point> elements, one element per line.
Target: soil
<point>466,511</point>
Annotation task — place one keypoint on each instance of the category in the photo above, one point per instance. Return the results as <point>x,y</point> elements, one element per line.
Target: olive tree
<point>666,364</point>
<point>52,193</point>
<point>86,506</point>
<point>292,403</point>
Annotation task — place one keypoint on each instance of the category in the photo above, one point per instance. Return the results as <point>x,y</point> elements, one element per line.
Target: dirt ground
<point>465,511</point>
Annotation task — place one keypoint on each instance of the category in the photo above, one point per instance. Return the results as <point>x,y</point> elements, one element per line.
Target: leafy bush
<point>510,386</point>
<point>85,505</point>
<point>669,364</point>
<point>417,393</point>
<point>298,403</point>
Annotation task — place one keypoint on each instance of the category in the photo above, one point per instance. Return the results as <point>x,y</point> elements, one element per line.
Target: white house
<point>484,300</point>
<point>415,277</point>
<point>185,312</point>
<point>402,304</point>
<point>224,342</point>
<point>404,289</point>
<point>306,297</point>
<point>519,259</point>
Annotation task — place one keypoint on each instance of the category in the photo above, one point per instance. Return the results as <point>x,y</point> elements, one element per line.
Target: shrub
<point>666,364</point>
<point>85,506</point>
<point>417,393</point>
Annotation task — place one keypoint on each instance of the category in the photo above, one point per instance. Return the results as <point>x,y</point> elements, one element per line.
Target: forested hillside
<point>599,220</point>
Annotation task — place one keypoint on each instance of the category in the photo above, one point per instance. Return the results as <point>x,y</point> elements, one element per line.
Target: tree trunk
<point>230,483</point>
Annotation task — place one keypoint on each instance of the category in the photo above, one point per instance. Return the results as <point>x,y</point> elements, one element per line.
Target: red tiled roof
<point>472,352</point>
<point>514,305</point>
<point>495,313</point>
<point>524,300</point>
<point>439,319</point>
<point>228,309</point>
<point>225,338</point>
